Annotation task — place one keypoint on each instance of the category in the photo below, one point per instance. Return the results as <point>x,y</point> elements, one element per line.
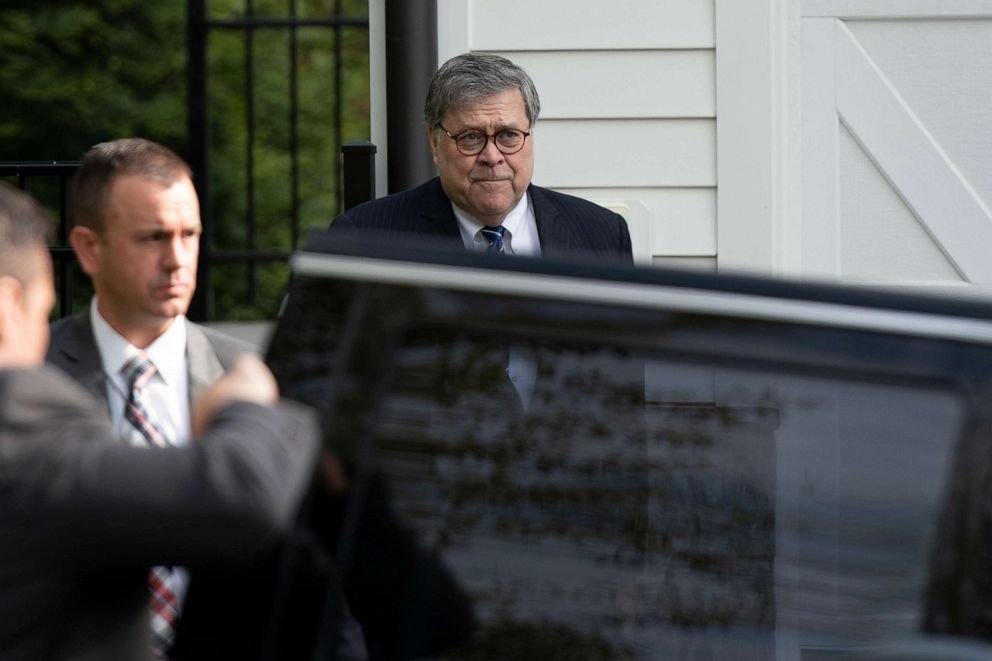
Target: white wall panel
<point>917,166</point>
<point>705,264</point>
<point>880,238</point>
<point>683,219</point>
<point>622,84</point>
<point>590,24</point>
<point>663,222</point>
<point>943,71</point>
<point>910,163</point>
<point>629,153</point>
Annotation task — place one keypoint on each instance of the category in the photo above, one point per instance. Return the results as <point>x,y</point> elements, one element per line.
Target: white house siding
<point>628,107</point>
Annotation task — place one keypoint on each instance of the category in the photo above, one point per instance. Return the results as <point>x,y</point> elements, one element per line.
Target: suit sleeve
<point>342,222</point>
<point>624,247</point>
<point>229,496</point>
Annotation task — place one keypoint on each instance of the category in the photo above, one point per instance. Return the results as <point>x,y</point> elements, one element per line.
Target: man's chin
<point>488,209</point>
<point>171,308</point>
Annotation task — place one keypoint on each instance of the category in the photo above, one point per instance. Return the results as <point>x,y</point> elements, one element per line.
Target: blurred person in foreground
<point>83,516</point>
<point>480,113</point>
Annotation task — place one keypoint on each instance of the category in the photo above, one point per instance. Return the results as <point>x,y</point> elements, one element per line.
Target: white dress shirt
<point>520,238</point>
<point>166,394</point>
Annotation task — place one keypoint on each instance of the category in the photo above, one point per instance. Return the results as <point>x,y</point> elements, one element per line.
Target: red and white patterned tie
<point>163,582</point>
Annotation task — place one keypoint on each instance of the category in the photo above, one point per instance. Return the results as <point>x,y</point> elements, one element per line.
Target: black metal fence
<point>27,175</point>
<point>357,181</point>
<point>200,27</point>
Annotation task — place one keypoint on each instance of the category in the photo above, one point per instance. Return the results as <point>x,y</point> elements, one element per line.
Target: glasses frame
<point>488,136</point>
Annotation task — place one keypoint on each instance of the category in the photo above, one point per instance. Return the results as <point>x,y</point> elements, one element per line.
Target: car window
<point>630,509</point>
<point>551,475</point>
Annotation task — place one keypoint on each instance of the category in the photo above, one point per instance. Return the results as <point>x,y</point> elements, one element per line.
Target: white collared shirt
<point>521,230</point>
<point>167,394</point>
<point>520,238</point>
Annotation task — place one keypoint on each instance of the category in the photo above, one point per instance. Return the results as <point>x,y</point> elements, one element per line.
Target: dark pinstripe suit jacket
<point>566,225</point>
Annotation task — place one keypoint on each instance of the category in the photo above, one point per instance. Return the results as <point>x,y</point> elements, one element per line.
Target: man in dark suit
<point>480,112</point>
<point>83,516</point>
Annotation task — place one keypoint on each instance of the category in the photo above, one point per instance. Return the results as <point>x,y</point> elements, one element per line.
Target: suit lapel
<point>552,231</point>
<point>436,211</point>
<point>201,361</point>
<point>80,358</point>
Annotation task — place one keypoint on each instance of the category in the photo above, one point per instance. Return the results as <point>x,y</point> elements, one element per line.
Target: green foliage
<point>74,73</point>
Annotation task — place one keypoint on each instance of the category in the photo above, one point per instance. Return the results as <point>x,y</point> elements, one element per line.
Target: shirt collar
<point>167,352</point>
<point>469,226</point>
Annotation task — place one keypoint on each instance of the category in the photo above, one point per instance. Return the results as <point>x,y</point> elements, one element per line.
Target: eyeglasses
<point>472,141</point>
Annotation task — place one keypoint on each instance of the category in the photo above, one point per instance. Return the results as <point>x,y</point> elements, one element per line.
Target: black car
<point>541,459</point>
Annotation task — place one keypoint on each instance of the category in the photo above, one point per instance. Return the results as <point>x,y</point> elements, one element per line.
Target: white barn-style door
<point>897,141</point>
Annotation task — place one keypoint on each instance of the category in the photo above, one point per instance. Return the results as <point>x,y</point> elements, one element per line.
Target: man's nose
<point>490,154</point>
<point>175,254</point>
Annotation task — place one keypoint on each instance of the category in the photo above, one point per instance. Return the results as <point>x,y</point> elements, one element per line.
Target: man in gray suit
<point>83,516</point>
<point>137,234</point>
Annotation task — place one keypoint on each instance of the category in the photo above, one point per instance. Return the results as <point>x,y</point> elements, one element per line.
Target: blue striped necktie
<point>494,234</point>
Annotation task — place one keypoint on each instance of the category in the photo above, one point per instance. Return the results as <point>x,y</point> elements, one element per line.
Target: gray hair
<point>24,229</point>
<point>107,161</point>
<point>471,77</point>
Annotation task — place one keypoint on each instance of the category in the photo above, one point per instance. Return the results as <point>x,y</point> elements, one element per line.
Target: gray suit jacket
<point>82,516</point>
<point>73,348</point>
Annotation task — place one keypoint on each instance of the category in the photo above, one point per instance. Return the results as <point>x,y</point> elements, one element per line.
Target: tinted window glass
<point>610,502</point>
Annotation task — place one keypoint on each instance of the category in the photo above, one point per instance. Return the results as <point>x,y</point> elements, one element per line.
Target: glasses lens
<point>471,142</point>
<point>509,140</point>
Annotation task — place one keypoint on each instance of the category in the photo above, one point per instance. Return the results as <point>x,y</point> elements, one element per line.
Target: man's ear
<point>431,139</point>
<point>11,293</point>
<point>87,246</point>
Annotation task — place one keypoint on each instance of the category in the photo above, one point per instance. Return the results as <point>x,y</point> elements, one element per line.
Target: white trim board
<point>378,133</point>
<point>820,222</point>
<point>758,135</point>
<point>875,9</point>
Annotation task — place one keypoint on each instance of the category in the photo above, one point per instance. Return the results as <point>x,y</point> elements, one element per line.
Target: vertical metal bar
<point>358,168</point>
<point>339,183</point>
<point>250,155</point>
<point>196,131</point>
<point>294,175</point>
<point>411,58</point>
<point>65,262</point>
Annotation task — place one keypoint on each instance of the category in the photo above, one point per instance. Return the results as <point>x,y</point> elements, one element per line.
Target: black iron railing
<point>28,174</point>
<point>199,29</point>
<point>358,183</point>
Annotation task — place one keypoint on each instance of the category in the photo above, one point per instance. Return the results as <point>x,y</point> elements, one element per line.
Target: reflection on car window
<point>621,504</point>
